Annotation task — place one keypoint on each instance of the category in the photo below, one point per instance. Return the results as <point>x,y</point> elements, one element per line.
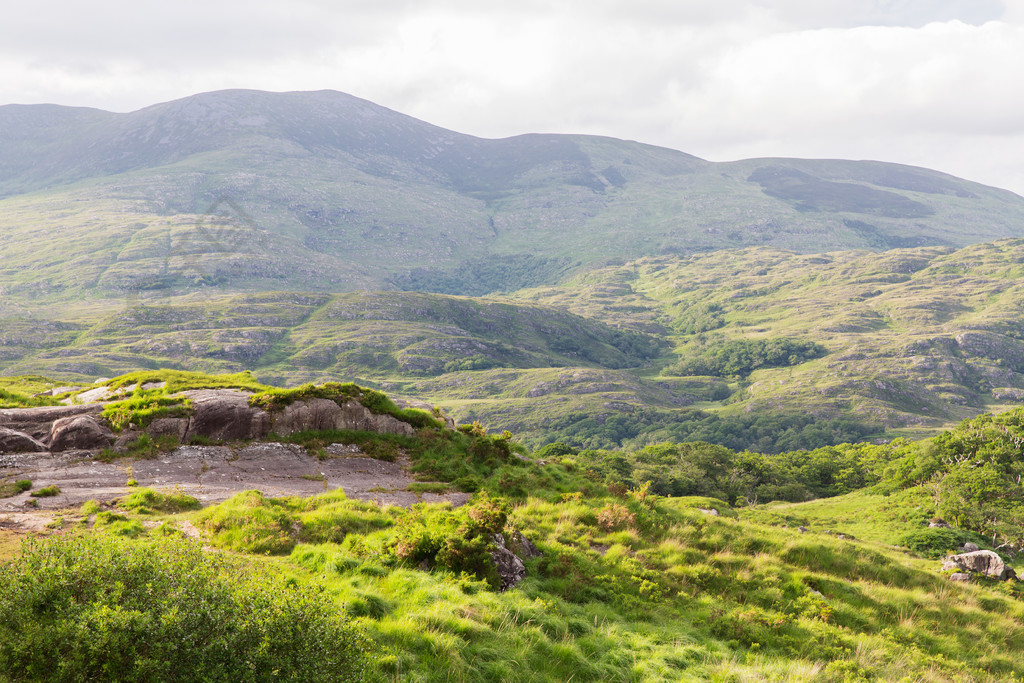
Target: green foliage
<point>46,491</point>
<point>936,542</point>
<point>974,473</point>
<point>182,380</point>
<point>13,488</point>
<point>148,501</point>
<point>99,608</point>
<point>766,432</point>
<point>144,407</point>
<point>698,318</point>
<point>249,522</point>
<point>457,540</point>
<point>740,357</point>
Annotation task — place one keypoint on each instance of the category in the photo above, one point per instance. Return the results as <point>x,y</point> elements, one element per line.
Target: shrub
<point>936,542</point>
<point>147,501</point>
<point>614,516</point>
<point>46,491</point>
<point>177,614</point>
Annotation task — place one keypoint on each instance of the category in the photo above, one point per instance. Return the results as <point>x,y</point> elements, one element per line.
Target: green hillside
<point>628,585</point>
<point>243,191</point>
<point>783,350</point>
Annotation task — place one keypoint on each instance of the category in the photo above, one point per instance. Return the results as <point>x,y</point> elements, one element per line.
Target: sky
<point>934,83</point>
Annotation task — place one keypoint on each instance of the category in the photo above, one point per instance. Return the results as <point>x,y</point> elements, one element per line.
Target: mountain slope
<point>240,191</point>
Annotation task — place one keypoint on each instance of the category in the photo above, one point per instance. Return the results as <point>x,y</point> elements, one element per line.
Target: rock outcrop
<point>38,422</point>
<point>225,415</point>
<point>13,441</point>
<point>983,562</point>
<point>322,413</point>
<point>508,559</point>
<point>83,432</point>
<point>217,415</point>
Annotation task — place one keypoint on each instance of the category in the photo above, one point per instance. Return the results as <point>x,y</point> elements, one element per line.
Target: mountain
<point>243,191</point>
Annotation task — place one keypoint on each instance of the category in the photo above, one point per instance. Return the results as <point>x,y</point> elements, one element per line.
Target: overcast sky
<point>936,83</point>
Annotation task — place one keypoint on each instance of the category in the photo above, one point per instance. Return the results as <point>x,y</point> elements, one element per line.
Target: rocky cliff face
<point>217,415</point>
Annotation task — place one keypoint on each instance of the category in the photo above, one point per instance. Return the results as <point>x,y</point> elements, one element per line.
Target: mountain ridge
<point>246,191</point>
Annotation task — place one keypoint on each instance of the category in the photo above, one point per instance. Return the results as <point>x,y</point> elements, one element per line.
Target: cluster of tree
<point>504,273</point>
<point>974,473</point>
<point>699,318</point>
<point>739,477</point>
<point>740,357</point>
<point>763,432</point>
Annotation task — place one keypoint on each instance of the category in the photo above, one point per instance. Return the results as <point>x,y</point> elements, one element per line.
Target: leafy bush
<point>458,540</point>
<point>101,608</point>
<point>936,542</point>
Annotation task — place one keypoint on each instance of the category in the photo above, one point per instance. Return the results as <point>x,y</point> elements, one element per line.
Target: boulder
<point>960,577</point>
<point>970,548</point>
<point>980,562</point>
<point>12,441</point>
<point>38,422</point>
<point>315,413</point>
<point>168,426</point>
<point>79,432</point>
<point>225,415</point>
<point>510,567</point>
<point>938,524</point>
<point>354,415</point>
<point>322,413</point>
<point>522,546</point>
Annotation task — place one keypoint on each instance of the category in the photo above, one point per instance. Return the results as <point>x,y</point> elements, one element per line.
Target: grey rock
<point>970,548</point>
<point>168,426</point>
<point>523,547</point>
<point>38,422</point>
<point>321,413</point>
<point>12,441</point>
<point>510,568</point>
<point>981,562</point>
<point>79,432</point>
<point>225,415</point>
<point>802,529</point>
<point>960,577</point>
<point>709,511</point>
<point>938,524</point>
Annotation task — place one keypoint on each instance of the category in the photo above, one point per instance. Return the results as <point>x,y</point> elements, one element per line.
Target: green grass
<point>13,488</point>
<point>149,501</point>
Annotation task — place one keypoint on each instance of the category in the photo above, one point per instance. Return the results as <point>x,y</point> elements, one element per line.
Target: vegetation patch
<point>13,488</point>
<point>177,613</point>
<point>148,501</point>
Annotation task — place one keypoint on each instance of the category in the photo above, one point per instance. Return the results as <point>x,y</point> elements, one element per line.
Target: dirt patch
<point>209,473</point>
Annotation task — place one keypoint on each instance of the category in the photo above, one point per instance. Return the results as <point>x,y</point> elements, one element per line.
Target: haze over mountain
<point>250,191</point>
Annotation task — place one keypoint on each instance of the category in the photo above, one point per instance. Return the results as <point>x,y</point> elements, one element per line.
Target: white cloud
<point>933,83</point>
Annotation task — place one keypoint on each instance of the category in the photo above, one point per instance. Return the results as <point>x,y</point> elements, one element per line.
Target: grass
<point>46,491</point>
<point>13,488</point>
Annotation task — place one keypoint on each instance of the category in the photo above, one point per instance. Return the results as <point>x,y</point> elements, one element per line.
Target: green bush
<point>101,608</point>
<point>936,542</point>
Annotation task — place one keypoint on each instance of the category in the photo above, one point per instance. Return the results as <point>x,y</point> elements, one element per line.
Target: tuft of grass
<point>46,491</point>
<point>13,488</point>
<point>148,501</point>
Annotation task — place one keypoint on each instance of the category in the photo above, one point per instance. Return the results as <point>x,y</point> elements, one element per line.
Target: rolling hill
<point>243,191</point>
